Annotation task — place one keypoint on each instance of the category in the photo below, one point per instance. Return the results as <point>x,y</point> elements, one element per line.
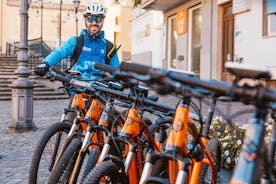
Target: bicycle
<point>72,146</point>
<point>130,159</point>
<point>262,98</point>
<point>63,164</point>
<point>128,168</point>
<point>256,162</point>
<point>189,153</point>
<point>49,146</point>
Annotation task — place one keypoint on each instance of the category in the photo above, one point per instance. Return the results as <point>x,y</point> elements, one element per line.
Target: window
<point>194,39</point>
<point>271,24</point>
<point>269,21</point>
<point>172,42</point>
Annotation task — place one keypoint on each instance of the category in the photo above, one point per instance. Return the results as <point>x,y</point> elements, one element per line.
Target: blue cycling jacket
<point>93,51</point>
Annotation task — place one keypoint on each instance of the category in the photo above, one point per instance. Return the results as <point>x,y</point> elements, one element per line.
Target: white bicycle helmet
<point>94,9</point>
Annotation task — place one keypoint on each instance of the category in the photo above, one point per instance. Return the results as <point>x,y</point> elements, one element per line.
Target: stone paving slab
<point>16,149</point>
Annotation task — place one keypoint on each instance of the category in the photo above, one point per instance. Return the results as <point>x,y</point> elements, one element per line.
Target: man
<point>94,47</point>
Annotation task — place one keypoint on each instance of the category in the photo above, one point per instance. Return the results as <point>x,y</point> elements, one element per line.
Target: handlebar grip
<point>134,67</point>
<point>58,77</point>
<point>104,67</point>
<point>54,69</point>
<point>62,79</point>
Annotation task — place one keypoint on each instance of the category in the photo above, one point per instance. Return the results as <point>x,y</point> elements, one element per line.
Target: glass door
<point>227,39</point>
<point>194,39</point>
<point>172,38</point>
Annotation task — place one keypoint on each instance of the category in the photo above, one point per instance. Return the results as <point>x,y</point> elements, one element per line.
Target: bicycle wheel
<point>46,151</point>
<point>214,149</point>
<point>91,162</point>
<point>106,172</point>
<point>64,168</point>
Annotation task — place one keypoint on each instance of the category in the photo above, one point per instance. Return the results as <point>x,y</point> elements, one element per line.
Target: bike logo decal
<point>129,121</point>
<point>177,125</point>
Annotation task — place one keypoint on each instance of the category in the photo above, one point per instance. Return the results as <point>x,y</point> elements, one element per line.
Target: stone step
<point>41,91</point>
<point>58,97</point>
<point>7,85</point>
<point>14,77</point>
<point>8,58</point>
<point>35,89</point>
<point>7,73</point>
<point>8,66</point>
<point>37,93</point>
<point>6,81</point>
<point>9,63</point>
<point>11,77</point>
<point>8,70</point>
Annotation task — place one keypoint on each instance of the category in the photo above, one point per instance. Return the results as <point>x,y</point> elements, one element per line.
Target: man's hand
<point>41,69</point>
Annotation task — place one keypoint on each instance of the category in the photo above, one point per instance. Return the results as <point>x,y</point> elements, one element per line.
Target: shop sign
<point>241,6</point>
<point>181,21</point>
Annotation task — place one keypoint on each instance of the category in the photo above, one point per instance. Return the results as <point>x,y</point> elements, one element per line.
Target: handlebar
<point>255,95</point>
<point>54,69</point>
<point>104,67</point>
<point>92,87</point>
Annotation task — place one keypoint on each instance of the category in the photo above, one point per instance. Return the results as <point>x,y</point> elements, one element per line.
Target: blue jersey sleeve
<point>64,51</point>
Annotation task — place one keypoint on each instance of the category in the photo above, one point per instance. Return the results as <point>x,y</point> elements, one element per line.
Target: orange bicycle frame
<point>133,127</point>
<point>93,114</point>
<point>178,137</point>
<point>178,140</point>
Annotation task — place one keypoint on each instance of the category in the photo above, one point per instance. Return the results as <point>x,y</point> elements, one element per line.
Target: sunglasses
<point>97,19</point>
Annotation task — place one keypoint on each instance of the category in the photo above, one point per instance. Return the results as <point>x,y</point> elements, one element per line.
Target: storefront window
<point>194,39</point>
<point>172,42</point>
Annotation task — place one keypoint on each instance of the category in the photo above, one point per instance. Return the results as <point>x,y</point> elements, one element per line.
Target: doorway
<point>227,38</point>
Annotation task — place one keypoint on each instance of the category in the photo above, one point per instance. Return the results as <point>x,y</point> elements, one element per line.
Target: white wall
<point>152,43</point>
<point>250,44</point>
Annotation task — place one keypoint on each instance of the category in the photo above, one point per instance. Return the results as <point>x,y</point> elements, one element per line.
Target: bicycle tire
<point>90,164</point>
<point>109,171</point>
<point>160,166</point>
<point>64,168</point>
<point>160,169</point>
<point>41,147</point>
<point>214,149</point>
<point>69,117</point>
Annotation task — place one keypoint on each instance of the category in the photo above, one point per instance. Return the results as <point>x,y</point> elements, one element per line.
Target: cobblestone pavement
<point>16,149</point>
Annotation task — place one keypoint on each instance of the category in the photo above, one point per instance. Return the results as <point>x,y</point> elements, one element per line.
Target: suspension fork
<point>68,139</point>
<point>270,174</point>
<point>132,129</point>
<point>93,116</point>
<point>106,121</point>
<point>273,139</point>
<point>245,170</point>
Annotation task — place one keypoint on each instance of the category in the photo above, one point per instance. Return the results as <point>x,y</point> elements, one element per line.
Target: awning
<point>161,5</point>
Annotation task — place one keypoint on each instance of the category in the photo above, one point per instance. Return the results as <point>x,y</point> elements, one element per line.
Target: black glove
<point>41,69</point>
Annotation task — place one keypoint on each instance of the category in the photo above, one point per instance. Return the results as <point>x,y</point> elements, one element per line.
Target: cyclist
<point>94,47</point>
